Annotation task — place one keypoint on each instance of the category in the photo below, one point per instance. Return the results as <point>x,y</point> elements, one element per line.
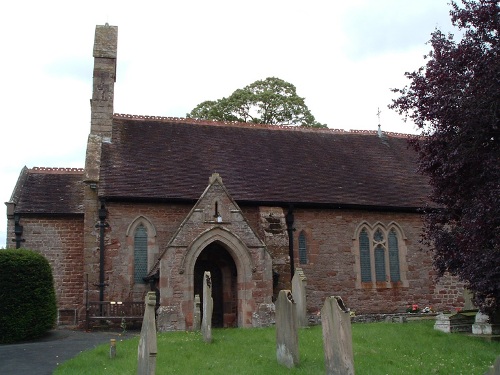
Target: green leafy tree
<point>270,101</point>
<point>455,101</point>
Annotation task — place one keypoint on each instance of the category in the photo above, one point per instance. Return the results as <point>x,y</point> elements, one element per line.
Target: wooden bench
<point>115,311</point>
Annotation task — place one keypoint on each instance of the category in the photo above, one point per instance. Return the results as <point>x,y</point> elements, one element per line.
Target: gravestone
<point>147,350</point>
<point>495,369</point>
<point>299,282</point>
<point>287,339</point>
<point>337,337</point>
<point>112,348</point>
<point>459,322</point>
<point>482,325</point>
<point>208,307</point>
<point>468,302</point>
<point>196,313</point>
<point>264,316</point>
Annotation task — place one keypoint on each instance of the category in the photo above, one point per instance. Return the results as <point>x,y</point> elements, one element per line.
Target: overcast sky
<point>342,56</point>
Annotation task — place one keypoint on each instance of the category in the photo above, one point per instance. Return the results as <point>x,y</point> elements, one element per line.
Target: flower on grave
<point>412,308</point>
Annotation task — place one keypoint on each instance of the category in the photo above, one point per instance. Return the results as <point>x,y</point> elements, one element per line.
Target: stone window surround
<point>385,229</point>
<point>152,247</point>
<point>302,247</point>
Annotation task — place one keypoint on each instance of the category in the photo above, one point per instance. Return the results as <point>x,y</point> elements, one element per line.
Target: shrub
<point>28,302</point>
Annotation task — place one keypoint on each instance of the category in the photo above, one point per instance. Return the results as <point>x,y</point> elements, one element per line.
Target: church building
<point>161,200</point>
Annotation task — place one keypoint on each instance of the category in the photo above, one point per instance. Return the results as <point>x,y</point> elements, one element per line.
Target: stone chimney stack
<point>103,89</point>
<point>105,51</point>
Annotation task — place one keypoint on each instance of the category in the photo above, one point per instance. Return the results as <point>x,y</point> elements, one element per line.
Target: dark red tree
<point>455,101</point>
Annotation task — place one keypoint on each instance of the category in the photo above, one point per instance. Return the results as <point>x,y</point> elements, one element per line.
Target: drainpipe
<point>289,218</point>
<point>102,227</point>
<point>18,231</point>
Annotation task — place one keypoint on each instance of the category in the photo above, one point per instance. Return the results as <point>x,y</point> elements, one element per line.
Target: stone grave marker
<point>287,339</point>
<point>337,337</point>
<point>208,307</point>
<point>482,325</point>
<point>459,322</point>
<point>299,282</point>
<point>468,303</point>
<point>495,369</point>
<point>147,350</point>
<point>197,313</point>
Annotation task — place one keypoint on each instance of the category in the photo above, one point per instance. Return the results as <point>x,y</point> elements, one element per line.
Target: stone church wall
<point>330,269</point>
<point>119,247</point>
<point>60,241</point>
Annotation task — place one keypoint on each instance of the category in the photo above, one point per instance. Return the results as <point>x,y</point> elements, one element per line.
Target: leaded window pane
<point>378,236</point>
<point>380,264</point>
<point>140,254</point>
<point>394,256</point>
<point>302,249</point>
<point>364,256</point>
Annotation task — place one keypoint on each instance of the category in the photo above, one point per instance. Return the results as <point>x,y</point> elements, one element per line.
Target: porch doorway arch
<point>219,262</point>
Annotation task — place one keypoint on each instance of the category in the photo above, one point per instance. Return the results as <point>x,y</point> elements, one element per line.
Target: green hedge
<point>27,298</point>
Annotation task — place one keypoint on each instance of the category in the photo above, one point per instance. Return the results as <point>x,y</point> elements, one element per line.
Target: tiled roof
<point>49,191</point>
<point>165,158</point>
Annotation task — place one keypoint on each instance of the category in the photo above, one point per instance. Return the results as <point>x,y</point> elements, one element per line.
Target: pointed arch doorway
<point>219,262</point>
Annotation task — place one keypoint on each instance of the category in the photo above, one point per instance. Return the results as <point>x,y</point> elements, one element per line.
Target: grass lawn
<point>379,348</point>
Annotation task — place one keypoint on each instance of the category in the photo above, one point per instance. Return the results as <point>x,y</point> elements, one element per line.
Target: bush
<point>28,302</point>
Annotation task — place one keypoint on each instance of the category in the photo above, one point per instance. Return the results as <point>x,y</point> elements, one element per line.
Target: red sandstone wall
<point>60,240</point>
<point>119,257</point>
<point>331,266</point>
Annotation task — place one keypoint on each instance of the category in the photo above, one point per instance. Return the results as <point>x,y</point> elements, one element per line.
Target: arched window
<point>379,255</point>
<point>394,256</point>
<point>140,254</point>
<point>302,248</point>
<point>364,255</point>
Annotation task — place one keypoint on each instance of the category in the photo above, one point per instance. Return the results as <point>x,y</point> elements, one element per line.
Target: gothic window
<point>140,253</point>
<point>364,255</point>
<point>142,250</point>
<point>379,255</point>
<point>302,248</point>
<point>394,256</point>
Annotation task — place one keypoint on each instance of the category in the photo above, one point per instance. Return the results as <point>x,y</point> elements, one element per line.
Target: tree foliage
<point>270,101</point>
<point>455,101</point>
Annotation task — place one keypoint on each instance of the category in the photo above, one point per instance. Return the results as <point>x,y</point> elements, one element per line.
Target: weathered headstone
<point>459,322</point>
<point>337,337</point>
<point>287,339</point>
<point>264,316</point>
<point>147,350</point>
<point>196,313</point>
<point>112,348</point>
<point>483,326</point>
<point>299,282</point>
<point>208,306</point>
<point>468,300</point>
<point>495,369</point>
